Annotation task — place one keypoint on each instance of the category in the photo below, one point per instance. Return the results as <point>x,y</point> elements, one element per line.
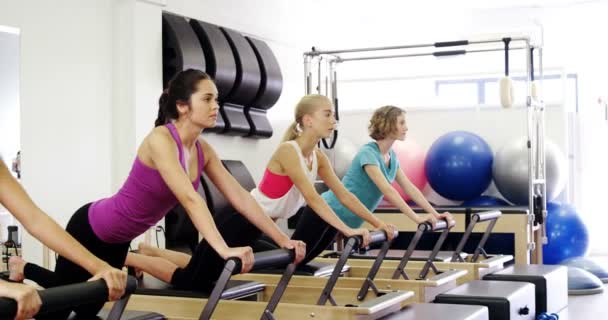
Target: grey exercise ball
<point>510,171</point>
<point>341,156</point>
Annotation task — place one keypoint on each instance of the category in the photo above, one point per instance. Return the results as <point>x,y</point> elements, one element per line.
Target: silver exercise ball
<point>510,171</point>
<point>341,156</point>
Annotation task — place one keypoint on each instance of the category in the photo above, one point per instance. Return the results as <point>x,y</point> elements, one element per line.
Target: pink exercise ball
<point>411,159</point>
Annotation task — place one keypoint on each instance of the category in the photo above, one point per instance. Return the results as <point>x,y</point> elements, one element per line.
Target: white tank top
<point>287,205</point>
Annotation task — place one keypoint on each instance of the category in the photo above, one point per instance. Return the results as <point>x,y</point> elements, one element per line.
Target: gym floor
<point>589,307</point>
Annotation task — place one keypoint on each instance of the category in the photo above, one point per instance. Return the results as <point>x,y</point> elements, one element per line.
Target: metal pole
<point>531,145</point>
<point>332,93</point>
<point>414,46</point>
<point>333,79</point>
<point>423,54</point>
<point>307,74</point>
<point>542,147</point>
<point>319,76</point>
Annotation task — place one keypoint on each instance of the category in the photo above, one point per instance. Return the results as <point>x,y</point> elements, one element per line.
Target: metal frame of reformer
<point>424,290</point>
<point>476,268</point>
<point>352,243</point>
<point>326,77</point>
<point>490,216</point>
<point>399,272</point>
<point>386,303</point>
<point>514,220</point>
<point>368,282</point>
<point>233,266</point>
<point>266,259</point>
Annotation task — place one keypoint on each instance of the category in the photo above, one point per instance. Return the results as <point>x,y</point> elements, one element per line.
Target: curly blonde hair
<point>384,121</point>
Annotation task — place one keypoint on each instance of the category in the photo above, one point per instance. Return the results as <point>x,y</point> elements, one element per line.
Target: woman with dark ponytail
<point>162,105</point>
<point>166,171</point>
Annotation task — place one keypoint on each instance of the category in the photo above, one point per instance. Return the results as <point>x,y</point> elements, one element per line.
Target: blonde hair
<point>307,105</point>
<point>384,121</point>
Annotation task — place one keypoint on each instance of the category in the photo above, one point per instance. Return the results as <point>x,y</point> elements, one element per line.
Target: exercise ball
<point>341,156</point>
<point>510,171</point>
<point>485,201</point>
<point>588,265</point>
<point>581,282</point>
<point>459,165</point>
<point>411,160</point>
<point>566,234</point>
<point>413,204</point>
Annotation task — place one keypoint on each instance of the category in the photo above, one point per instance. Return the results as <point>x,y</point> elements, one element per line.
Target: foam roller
<point>506,92</point>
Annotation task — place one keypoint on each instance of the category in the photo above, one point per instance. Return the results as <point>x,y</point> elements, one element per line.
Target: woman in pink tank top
<point>166,172</point>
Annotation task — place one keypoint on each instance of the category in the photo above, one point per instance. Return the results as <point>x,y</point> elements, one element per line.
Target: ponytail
<point>180,88</point>
<point>307,105</point>
<point>161,119</point>
<point>291,132</point>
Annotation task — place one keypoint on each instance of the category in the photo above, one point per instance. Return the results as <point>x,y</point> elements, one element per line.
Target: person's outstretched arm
<point>410,189</point>
<point>347,198</point>
<point>14,198</point>
<point>245,204</point>
<point>289,159</point>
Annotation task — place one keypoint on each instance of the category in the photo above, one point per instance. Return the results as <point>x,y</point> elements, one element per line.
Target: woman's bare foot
<point>15,268</point>
<point>146,249</point>
<point>134,271</point>
<point>139,274</point>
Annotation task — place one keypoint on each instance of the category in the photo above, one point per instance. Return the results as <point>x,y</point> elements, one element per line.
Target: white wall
<point>570,39</point>
<point>65,71</point>
<point>9,107</point>
<point>9,93</point>
<point>592,134</point>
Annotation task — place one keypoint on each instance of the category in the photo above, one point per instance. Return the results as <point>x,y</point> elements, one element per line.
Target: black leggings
<point>67,272</point>
<point>206,265</point>
<point>315,232</point>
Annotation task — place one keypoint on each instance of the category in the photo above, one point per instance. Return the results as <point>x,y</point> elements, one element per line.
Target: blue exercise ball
<point>567,235</point>
<point>459,165</point>
<point>413,204</point>
<point>485,201</point>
